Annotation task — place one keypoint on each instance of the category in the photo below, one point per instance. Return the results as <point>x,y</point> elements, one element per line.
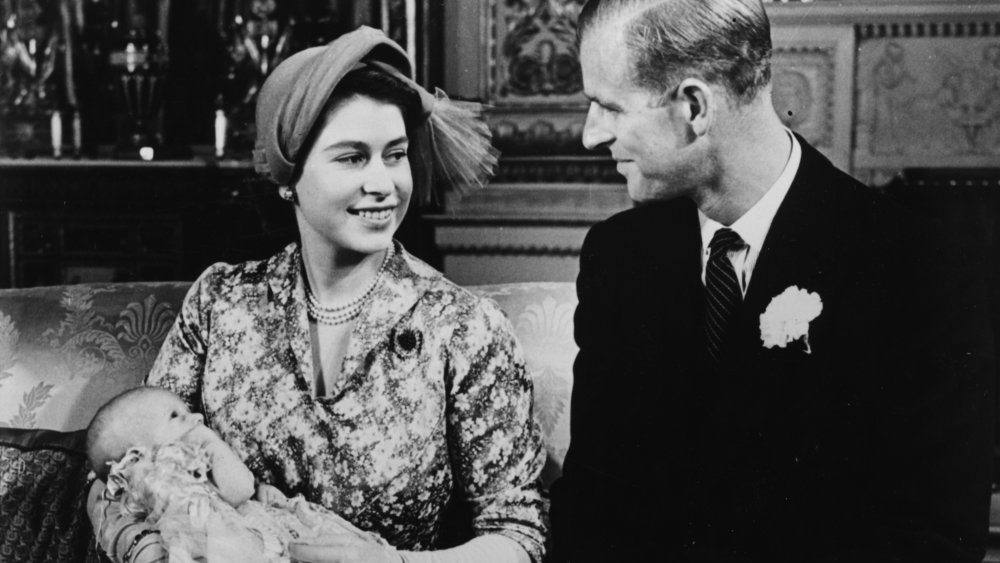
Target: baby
<point>170,470</point>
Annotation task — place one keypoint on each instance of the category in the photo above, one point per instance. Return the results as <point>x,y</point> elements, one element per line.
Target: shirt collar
<point>754,224</point>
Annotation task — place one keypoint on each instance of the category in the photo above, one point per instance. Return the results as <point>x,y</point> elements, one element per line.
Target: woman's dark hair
<point>380,86</point>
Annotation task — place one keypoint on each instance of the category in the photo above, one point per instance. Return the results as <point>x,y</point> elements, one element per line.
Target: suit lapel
<point>759,385</point>
<point>798,249</point>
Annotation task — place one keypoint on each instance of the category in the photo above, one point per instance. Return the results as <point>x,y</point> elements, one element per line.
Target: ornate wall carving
<point>533,57</point>
<point>928,101</point>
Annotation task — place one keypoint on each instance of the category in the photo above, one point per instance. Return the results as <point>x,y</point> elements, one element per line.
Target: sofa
<point>65,350</point>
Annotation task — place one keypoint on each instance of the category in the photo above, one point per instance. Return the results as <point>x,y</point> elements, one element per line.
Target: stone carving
<point>802,90</point>
<point>928,101</point>
<point>536,59</point>
<point>519,135</point>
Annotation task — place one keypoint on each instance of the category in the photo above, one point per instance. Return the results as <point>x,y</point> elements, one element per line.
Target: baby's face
<point>162,417</point>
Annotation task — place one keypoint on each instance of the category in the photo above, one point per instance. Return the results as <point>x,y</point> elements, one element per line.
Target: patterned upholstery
<point>42,496</point>
<point>65,350</point>
<point>542,314</point>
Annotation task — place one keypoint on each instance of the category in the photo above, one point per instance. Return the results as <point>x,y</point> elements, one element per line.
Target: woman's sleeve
<point>181,360</point>
<point>122,536</point>
<point>494,442</point>
<point>490,548</point>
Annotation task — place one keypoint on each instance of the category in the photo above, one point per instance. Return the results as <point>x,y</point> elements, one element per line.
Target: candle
<point>220,133</point>
<point>56,129</point>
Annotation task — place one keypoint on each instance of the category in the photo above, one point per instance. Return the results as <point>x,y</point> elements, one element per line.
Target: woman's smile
<point>378,217</point>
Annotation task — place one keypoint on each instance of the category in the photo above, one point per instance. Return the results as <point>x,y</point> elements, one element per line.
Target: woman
<point>344,369</point>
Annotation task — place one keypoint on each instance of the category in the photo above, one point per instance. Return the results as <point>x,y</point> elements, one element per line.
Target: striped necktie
<point>722,291</point>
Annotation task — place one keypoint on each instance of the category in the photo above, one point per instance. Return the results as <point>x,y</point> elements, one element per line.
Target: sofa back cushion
<point>65,350</point>
<point>542,314</point>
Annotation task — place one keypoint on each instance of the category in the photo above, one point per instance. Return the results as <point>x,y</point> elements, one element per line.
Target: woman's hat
<point>293,97</point>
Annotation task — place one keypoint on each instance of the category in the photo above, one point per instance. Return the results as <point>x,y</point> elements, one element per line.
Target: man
<point>776,363</point>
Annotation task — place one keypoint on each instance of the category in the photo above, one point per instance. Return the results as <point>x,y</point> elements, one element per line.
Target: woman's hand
<point>346,548</point>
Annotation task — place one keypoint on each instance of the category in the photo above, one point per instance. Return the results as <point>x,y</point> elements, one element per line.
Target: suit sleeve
<point>599,510</point>
<point>930,471</point>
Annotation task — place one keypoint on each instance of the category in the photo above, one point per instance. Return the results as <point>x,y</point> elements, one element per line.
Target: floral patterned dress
<point>433,407</point>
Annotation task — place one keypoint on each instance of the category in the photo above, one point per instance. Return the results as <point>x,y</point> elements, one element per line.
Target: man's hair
<point>104,443</point>
<point>725,42</point>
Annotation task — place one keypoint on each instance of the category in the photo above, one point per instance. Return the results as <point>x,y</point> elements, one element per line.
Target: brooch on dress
<point>407,342</point>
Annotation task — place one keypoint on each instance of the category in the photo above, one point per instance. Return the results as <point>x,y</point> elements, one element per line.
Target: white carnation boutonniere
<point>787,317</point>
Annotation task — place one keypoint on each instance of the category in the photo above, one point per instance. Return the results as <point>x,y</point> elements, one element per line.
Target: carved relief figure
<point>965,98</point>
<point>892,99</point>
<point>793,97</point>
<point>990,68</point>
<point>953,93</point>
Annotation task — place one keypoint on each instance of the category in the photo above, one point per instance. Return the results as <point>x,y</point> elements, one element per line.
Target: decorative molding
<point>558,170</point>
<point>928,29</point>
<point>534,133</point>
<point>477,251</point>
<point>509,250</point>
<point>490,239</point>
<point>550,204</point>
<point>868,12</point>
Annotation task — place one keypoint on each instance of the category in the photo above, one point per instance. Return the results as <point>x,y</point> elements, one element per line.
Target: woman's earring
<point>287,194</point>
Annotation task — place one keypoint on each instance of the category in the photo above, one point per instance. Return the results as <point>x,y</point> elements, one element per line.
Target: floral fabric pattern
<point>65,350</point>
<point>433,402</point>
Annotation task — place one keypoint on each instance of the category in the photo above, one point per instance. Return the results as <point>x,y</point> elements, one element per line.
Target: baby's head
<point>144,416</point>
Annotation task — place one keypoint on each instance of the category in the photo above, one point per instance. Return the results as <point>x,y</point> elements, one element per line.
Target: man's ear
<point>698,104</point>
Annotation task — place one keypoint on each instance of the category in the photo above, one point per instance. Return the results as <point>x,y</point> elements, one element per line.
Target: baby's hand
<point>201,434</point>
<point>271,496</point>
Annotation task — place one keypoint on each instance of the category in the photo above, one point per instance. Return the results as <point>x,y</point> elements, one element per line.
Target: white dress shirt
<point>754,224</point>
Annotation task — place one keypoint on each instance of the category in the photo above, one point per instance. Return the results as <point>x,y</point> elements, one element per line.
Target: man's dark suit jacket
<point>874,446</point>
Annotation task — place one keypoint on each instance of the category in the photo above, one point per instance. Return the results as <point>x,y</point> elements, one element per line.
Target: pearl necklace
<point>349,311</point>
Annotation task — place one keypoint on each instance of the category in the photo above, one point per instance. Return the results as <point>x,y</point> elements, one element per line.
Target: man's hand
<point>346,548</point>
<point>271,496</point>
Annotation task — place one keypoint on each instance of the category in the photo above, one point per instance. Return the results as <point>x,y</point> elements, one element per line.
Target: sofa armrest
<point>43,477</point>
